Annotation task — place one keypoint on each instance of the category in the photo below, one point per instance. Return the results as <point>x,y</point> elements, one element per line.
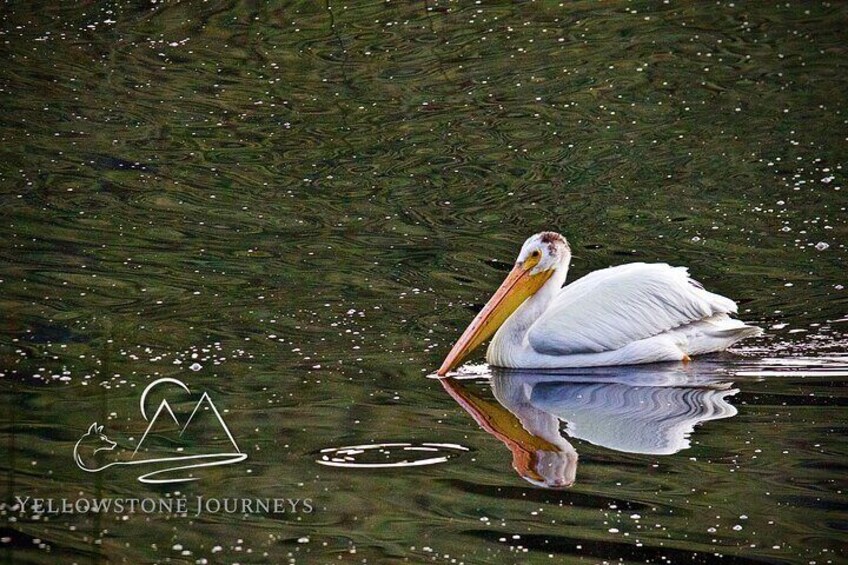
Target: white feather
<point>611,308</point>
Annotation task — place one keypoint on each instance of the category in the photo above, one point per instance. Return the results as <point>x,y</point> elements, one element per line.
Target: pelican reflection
<point>646,409</point>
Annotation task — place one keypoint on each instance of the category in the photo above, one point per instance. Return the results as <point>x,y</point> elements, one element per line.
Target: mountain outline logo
<point>95,441</point>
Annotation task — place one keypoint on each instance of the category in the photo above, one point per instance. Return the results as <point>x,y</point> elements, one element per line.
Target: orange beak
<point>518,286</point>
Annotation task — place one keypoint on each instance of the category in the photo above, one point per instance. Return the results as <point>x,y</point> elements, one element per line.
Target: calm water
<point>297,208</point>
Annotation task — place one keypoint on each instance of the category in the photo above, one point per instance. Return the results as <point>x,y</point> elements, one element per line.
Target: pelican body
<point>625,315</point>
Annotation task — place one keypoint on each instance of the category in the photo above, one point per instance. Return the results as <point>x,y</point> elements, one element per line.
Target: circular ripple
<point>389,455</point>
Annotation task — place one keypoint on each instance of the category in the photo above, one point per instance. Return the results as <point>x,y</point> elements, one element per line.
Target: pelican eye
<point>533,259</point>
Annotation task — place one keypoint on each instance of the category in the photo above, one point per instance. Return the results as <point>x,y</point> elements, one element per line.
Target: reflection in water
<point>539,453</point>
<point>642,409</point>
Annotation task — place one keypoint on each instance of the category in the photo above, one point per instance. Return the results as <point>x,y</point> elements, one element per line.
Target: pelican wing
<point>607,309</point>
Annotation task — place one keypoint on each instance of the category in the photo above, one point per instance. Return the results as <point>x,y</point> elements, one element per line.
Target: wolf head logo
<point>92,442</point>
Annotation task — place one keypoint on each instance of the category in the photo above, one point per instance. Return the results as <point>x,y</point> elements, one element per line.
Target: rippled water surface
<point>295,208</point>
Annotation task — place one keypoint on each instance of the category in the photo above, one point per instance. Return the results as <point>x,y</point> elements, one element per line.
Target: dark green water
<point>296,208</point>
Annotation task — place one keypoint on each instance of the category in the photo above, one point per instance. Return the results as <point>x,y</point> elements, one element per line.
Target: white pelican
<point>624,315</point>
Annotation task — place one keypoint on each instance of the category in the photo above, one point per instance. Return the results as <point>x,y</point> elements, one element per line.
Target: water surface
<point>297,207</point>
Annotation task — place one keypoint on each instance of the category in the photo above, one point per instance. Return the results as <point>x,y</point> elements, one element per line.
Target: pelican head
<point>539,259</point>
